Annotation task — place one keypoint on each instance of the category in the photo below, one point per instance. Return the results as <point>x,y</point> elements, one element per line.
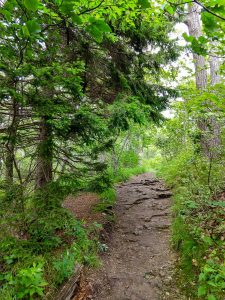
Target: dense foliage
<point>78,80</point>
<point>198,183</point>
<point>192,145</point>
<point>82,84</point>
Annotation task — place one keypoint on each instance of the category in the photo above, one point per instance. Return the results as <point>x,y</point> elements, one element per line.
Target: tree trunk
<point>45,154</point>
<point>9,164</point>
<point>194,28</point>
<point>10,145</point>
<point>210,129</point>
<point>214,64</point>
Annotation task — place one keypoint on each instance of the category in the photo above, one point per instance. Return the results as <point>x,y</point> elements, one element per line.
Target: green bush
<point>197,179</point>
<point>28,283</point>
<point>124,174</point>
<point>7,293</point>
<point>212,277</point>
<point>107,201</point>
<point>129,159</point>
<point>101,182</point>
<point>64,266</point>
<point>49,237</point>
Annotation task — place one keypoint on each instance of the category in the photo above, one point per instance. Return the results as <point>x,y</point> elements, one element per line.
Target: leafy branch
<point>200,4</point>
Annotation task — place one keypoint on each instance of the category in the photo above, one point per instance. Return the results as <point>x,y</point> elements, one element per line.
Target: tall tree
<point>195,30</point>
<point>214,63</point>
<point>72,61</point>
<point>210,129</point>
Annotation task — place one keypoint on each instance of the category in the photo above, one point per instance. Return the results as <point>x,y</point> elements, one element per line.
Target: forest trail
<point>139,263</point>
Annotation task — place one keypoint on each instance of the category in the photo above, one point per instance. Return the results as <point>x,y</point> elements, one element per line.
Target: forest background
<point>83,85</point>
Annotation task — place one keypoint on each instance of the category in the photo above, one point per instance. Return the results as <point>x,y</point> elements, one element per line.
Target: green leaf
<point>198,47</point>
<point>77,20</point>
<point>29,53</point>
<point>31,4</point>
<point>207,240</point>
<point>102,26</point>
<point>25,31</point>
<point>211,297</point>
<point>202,40</point>
<point>169,9</point>
<point>33,26</point>
<point>67,7</point>
<point>95,32</point>
<point>209,21</point>
<point>188,38</point>
<point>6,14</point>
<point>144,3</point>
<point>202,277</point>
<point>202,290</point>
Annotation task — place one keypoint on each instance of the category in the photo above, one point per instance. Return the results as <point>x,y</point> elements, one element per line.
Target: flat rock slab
<point>139,264</point>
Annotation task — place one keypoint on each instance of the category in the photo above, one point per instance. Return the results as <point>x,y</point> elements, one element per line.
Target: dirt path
<point>138,265</point>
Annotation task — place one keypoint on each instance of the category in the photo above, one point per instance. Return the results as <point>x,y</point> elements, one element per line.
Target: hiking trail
<point>139,264</point>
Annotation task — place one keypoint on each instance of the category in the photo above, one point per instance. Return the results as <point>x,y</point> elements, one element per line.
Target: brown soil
<point>82,206</point>
<point>139,264</point>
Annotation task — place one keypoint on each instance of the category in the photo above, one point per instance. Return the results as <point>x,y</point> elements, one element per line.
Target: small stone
<point>137,232</point>
<point>156,282</point>
<point>162,274</point>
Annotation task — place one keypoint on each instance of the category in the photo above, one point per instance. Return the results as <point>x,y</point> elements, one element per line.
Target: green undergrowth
<point>198,224</point>
<point>40,246</point>
<point>108,195</point>
<point>106,203</point>
<point>129,165</point>
<point>41,242</point>
<point>124,174</point>
<point>193,165</point>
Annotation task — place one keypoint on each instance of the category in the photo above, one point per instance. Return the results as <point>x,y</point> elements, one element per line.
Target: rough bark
<point>214,64</point>
<point>44,154</point>
<point>210,129</point>
<point>194,28</point>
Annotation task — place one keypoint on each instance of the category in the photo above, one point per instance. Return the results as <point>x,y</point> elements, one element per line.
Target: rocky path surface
<point>139,263</point>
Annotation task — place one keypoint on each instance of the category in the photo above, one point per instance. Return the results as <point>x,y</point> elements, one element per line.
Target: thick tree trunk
<point>214,64</point>
<point>45,154</point>
<point>194,28</point>
<point>210,129</point>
